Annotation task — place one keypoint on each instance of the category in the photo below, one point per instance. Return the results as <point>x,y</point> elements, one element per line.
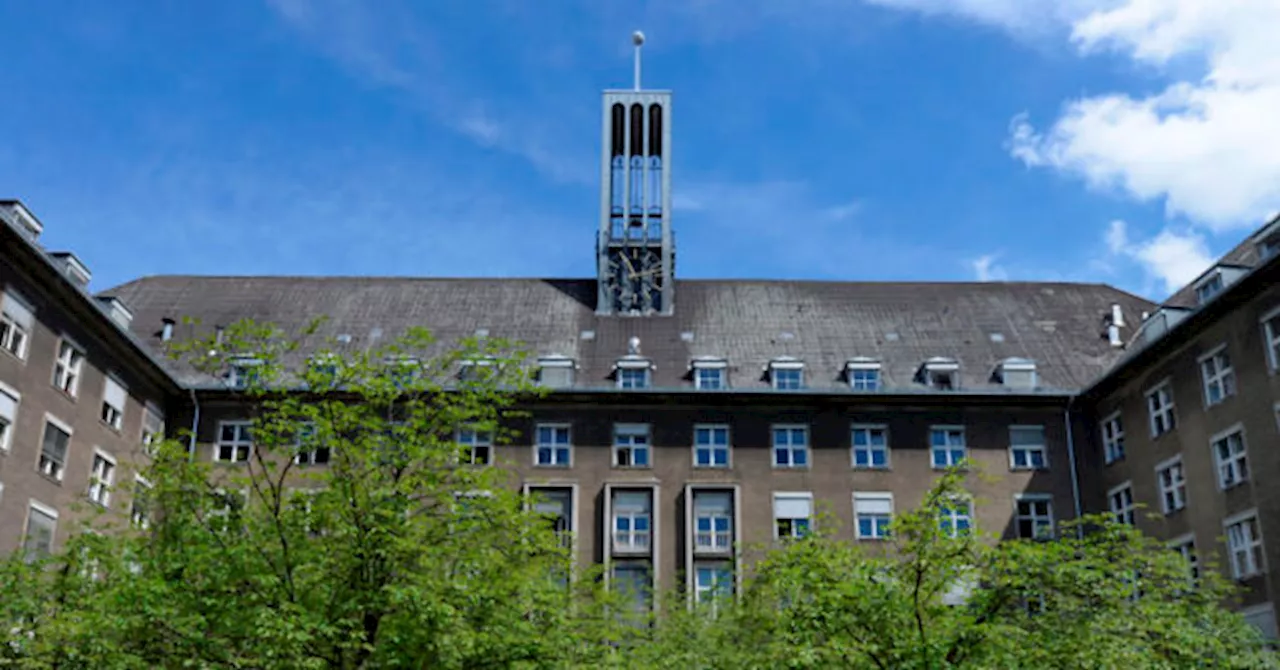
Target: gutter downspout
<point>195,426</point>
<point>1071,454</point>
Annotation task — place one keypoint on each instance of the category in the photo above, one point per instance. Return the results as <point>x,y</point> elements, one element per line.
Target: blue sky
<point>1118,141</point>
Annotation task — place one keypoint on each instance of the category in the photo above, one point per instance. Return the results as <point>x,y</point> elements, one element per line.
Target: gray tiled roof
<point>1058,325</point>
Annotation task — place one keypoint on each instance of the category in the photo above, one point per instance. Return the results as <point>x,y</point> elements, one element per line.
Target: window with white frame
<point>955,517</point>
<point>1160,409</point>
<point>140,505</point>
<point>16,322</point>
<point>1120,502</point>
<point>555,371</point>
<point>101,477</point>
<point>244,372</point>
<point>1244,545</point>
<point>1172,482</point>
<point>9,400</point>
<point>554,448</point>
<point>786,374</point>
<point>632,514</point>
<point>67,367</point>
<point>1027,449</point>
<point>42,524</point>
<point>478,445</point>
<point>709,374</point>
<point>711,446</point>
<point>631,445</point>
<point>872,514</point>
<point>309,448</point>
<point>939,373</point>
<point>712,521</point>
<point>947,446</point>
<point>1209,287</point>
<point>1112,438</point>
<point>863,374</point>
<point>53,449</point>
<point>790,446</point>
<point>1219,378</point>
<point>1271,337</point>
<point>1034,517</point>
<point>152,426</point>
<point>870,446</point>
<point>1231,457</point>
<point>235,442</point>
<point>633,374</point>
<point>113,403</point>
<point>1186,548</point>
<point>713,583</point>
<point>792,514</point>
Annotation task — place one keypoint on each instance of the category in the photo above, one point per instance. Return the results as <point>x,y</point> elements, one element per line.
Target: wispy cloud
<point>986,269</point>
<point>1172,258</point>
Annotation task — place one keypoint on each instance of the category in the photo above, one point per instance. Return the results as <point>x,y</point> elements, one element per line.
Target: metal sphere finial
<point>637,38</point>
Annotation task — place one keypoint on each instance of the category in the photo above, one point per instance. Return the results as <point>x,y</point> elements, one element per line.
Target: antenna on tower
<point>637,38</point>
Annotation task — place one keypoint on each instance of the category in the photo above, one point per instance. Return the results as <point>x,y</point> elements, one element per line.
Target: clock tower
<point>635,247</point>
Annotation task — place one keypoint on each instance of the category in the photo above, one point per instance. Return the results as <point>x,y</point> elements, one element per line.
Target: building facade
<point>689,421</point>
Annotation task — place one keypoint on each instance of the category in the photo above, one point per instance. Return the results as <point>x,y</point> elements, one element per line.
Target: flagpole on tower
<point>637,38</point>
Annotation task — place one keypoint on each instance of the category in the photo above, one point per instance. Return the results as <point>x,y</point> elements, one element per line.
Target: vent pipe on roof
<point>1117,316</point>
<point>166,330</point>
<point>1113,335</point>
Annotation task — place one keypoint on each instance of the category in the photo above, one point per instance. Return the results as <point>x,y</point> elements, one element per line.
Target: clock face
<point>635,279</point>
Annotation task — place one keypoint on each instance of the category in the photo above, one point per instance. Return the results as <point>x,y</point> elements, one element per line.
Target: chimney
<point>166,330</point>
<point>1113,334</point>
<point>27,223</point>
<point>117,310</point>
<point>76,270</point>
<point>1117,316</point>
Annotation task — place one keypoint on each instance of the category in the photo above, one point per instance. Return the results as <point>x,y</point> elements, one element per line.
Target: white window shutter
<point>792,507</point>
<point>114,394</point>
<point>8,406</point>
<point>18,310</point>
<point>873,504</point>
<point>631,501</point>
<point>712,502</point>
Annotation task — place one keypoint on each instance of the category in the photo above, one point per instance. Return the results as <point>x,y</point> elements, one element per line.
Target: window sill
<point>872,538</point>
<point>873,468</point>
<point>790,467</point>
<point>713,552</point>
<point>50,478</point>
<point>1107,464</point>
<point>64,393</point>
<point>711,467</point>
<point>118,430</point>
<point>553,466</point>
<point>1027,468</point>
<point>21,359</point>
<point>632,467</point>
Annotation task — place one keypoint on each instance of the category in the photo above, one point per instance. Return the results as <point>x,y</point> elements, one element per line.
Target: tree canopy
<point>407,551</point>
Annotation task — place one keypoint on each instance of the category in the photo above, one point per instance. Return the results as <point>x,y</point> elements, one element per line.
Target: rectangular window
<point>235,442</point>
<point>17,320</point>
<point>632,515</point>
<point>708,378</point>
<point>633,378</point>
<point>152,426</point>
<point>713,583</point>
<point>9,400</point>
<point>1244,545</point>
<point>244,372</point>
<point>712,521</point>
<point>101,477</point>
<point>53,449</point>
<point>956,518</point>
<point>634,582</point>
<point>1210,287</point>
<point>113,403</point>
<point>1271,337</point>
<point>42,524</point>
<point>786,374</point>
<point>478,445</point>
<point>309,448</point>
<point>1027,449</point>
<point>1172,482</point>
<point>1034,518</point>
<point>870,447</point>
<point>555,372</point>
<point>1219,378</point>
<point>557,505</point>
<point>1186,547</point>
<point>1229,454</point>
<point>711,446</point>
<point>791,514</point>
<point>872,513</point>
<point>1120,502</point>
<point>1112,438</point>
<point>863,374</point>
<point>947,446</point>
<point>790,447</point>
<point>140,506</point>
<point>1160,408</point>
<point>66,368</point>
<point>631,445</point>
<point>553,448</point>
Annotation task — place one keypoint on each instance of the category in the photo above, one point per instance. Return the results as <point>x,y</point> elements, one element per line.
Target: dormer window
<point>633,372</point>
<point>1268,248</point>
<point>402,370</point>
<point>1208,287</point>
<point>476,369</point>
<point>940,374</point>
<point>1018,373</point>
<point>863,374</point>
<point>786,373</point>
<point>243,372</point>
<point>709,373</point>
<point>325,368</point>
<point>555,371</point>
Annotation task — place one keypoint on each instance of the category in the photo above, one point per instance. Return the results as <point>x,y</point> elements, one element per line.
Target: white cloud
<point>986,269</point>
<point>1174,258</point>
<point>1117,237</point>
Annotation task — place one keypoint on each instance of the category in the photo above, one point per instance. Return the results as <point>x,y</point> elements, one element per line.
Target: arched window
<point>655,130</point>
<point>637,129</point>
<point>618,126</point>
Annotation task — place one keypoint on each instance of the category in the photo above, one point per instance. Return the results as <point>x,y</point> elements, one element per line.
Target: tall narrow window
<point>1186,547</point>
<point>152,425</point>
<point>632,517</point>
<point>101,478</point>
<point>631,445</point>
<point>1271,337</point>
<point>870,447</point>
<point>42,524</point>
<point>310,447</point>
<point>1120,502</point>
<point>66,368</point>
<point>16,321</point>
<point>1231,457</point>
<point>655,161</point>
<point>636,206</point>
<point>113,402</point>
<point>1219,378</point>
<point>1172,482</point>
<point>712,521</point>
<point>1160,409</point>
<point>713,583</point>
<point>711,446</point>
<point>1112,438</point>
<point>554,448</point>
<point>8,416</point>
<point>1244,545</point>
<point>53,450</point>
